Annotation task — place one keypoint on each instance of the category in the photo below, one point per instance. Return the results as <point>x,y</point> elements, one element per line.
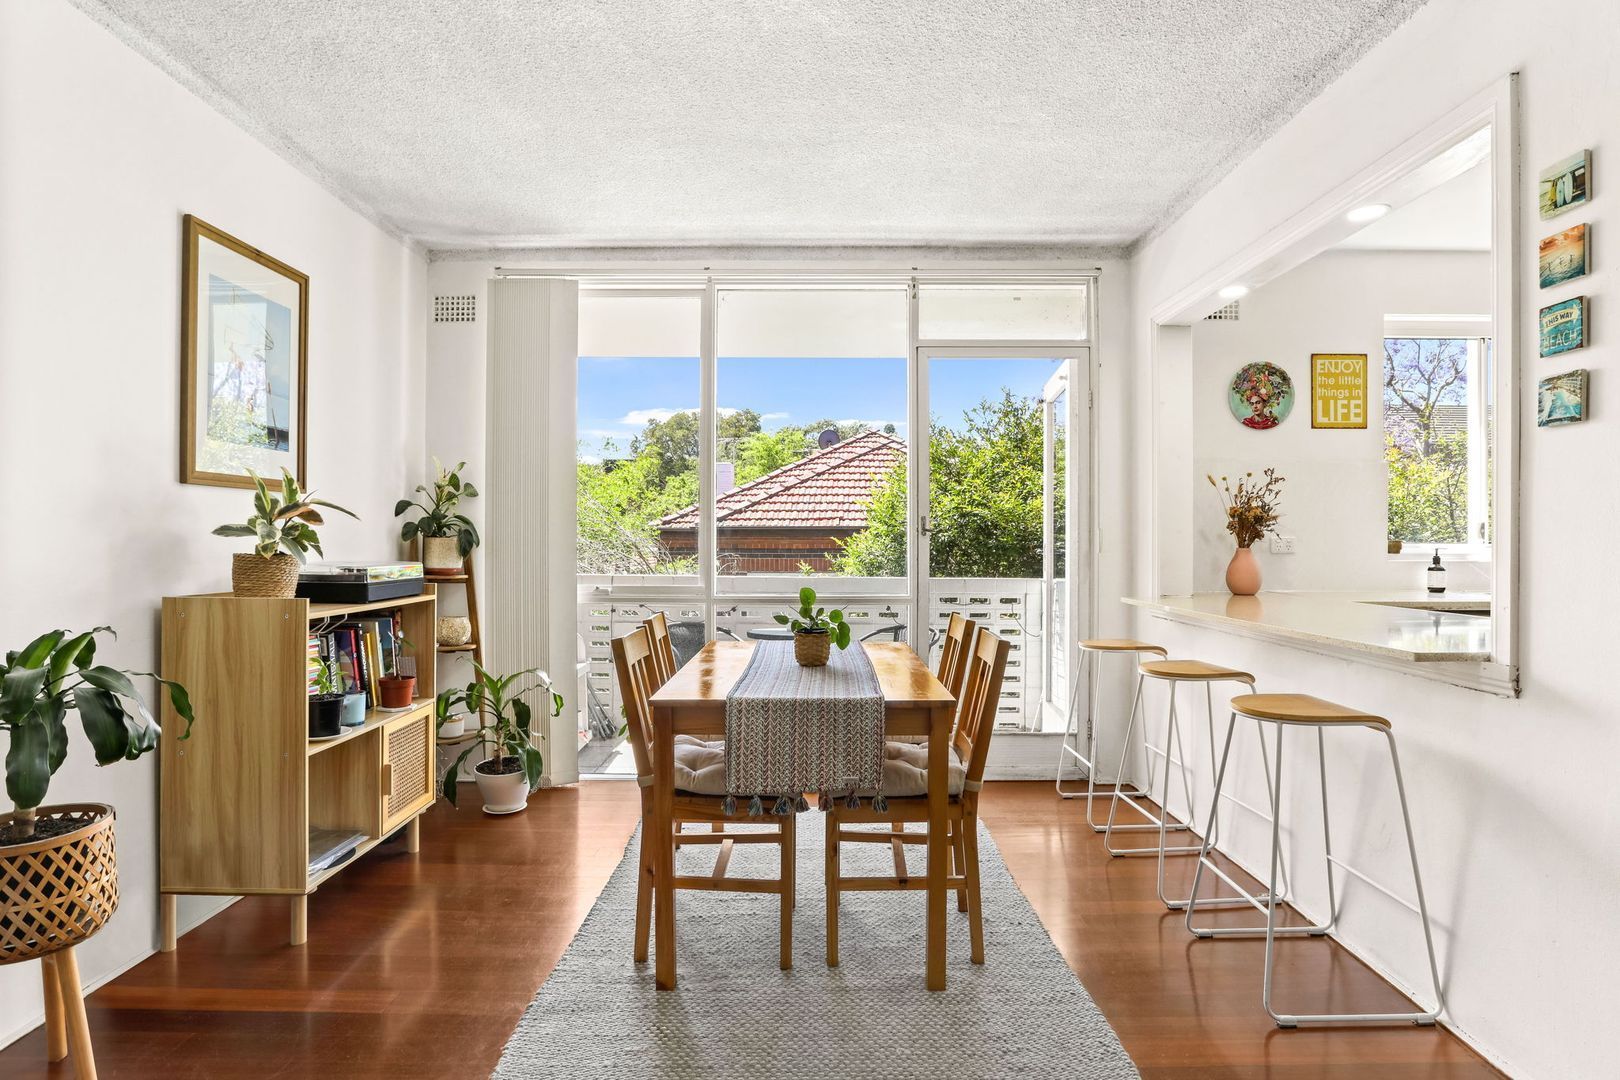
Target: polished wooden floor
<point>419,966</point>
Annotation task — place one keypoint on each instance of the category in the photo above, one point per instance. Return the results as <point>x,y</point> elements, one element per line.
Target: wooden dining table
<point>693,702</point>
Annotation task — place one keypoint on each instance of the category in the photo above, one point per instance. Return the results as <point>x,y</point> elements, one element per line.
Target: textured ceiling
<point>736,122</point>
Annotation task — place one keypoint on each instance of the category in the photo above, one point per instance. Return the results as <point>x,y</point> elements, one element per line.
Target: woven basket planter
<point>454,630</point>
<point>254,575</point>
<point>57,891</point>
<point>812,650</point>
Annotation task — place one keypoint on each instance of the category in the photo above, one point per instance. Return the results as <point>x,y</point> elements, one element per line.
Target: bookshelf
<point>241,796</point>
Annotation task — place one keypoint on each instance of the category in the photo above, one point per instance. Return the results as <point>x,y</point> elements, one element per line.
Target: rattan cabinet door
<point>408,767</point>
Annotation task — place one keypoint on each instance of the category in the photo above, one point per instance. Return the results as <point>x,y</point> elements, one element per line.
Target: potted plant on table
<point>58,866</point>
<point>815,630</point>
<point>494,709</point>
<point>283,529</point>
<point>326,704</point>
<point>398,688</point>
<point>1251,513</point>
<point>447,535</point>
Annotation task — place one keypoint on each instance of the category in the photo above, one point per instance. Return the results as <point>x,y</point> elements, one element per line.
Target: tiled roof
<point>827,490</point>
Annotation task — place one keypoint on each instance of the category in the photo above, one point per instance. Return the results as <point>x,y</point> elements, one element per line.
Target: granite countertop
<point>1414,626</point>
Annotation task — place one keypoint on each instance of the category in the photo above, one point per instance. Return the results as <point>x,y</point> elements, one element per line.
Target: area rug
<point>736,1014</point>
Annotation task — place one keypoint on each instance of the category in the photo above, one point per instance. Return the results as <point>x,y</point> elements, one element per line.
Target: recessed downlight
<point>1363,214</point>
<point>1234,292</point>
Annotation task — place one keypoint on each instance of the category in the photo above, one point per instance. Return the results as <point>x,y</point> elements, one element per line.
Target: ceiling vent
<point>455,309</point>
<point>1229,313</point>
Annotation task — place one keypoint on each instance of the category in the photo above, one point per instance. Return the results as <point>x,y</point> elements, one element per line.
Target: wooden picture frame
<point>244,361</point>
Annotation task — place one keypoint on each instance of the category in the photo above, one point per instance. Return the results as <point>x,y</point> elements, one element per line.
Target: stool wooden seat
<point>1193,671</point>
<point>1302,709</point>
<point>1130,645</point>
<point>1087,676</point>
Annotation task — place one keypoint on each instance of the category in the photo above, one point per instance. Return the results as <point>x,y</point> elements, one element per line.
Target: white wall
<point>103,154</point>
<point>1514,800</point>
<point>1335,500</point>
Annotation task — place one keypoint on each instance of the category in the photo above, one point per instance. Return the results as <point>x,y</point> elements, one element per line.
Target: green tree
<point>985,494</point>
<point>763,452</point>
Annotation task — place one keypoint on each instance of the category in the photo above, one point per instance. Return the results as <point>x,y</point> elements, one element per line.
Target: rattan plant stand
<point>54,893</point>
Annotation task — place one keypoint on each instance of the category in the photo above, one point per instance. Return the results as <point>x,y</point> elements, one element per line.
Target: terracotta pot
<point>1243,573</point>
<point>396,691</point>
<point>59,889</point>
<point>503,793</point>
<point>440,555</point>
<point>811,648</point>
<point>254,575</point>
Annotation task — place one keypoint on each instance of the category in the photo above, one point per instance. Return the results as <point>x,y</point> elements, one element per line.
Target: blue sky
<point>618,394</point>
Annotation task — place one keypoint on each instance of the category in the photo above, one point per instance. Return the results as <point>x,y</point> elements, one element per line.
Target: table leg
<point>938,843</point>
<point>664,851</point>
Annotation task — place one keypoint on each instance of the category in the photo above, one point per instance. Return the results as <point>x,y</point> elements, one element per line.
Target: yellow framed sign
<point>1338,390</point>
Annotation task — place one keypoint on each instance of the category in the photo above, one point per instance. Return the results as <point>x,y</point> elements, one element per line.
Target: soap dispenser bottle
<point>1437,575</point>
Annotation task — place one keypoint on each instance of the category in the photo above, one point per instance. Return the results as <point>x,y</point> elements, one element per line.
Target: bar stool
<point>1301,710</point>
<point>1174,673</point>
<point>1091,653</point>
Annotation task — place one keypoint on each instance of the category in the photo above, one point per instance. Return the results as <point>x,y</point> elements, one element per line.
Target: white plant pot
<point>453,729</point>
<point>503,793</point>
<point>440,555</point>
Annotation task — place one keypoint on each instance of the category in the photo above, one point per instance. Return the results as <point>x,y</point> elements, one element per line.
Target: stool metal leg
<point>1268,901</point>
<point>1422,1019</point>
<point>1154,821</point>
<point>1091,664</point>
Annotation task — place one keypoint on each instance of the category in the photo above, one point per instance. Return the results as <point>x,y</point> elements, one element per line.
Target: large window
<point>810,433</point>
<point>638,421</point>
<point>1437,440</point>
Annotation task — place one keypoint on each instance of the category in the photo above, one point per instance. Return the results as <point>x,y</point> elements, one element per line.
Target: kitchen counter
<point>1411,626</point>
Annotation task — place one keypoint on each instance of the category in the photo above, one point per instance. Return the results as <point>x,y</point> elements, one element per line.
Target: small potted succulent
<point>326,704</point>
<point>283,530</point>
<point>447,536</point>
<point>58,867</point>
<point>815,630</point>
<point>513,769</point>
<point>398,689</point>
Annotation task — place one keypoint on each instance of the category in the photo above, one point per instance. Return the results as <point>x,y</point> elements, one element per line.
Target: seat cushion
<point>700,767</point>
<point>905,771</point>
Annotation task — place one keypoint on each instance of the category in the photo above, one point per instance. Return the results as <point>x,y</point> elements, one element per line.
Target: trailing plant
<point>1251,507</point>
<point>509,726</point>
<point>810,619</point>
<point>45,680</point>
<point>283,519</point>
<point>439,516</point>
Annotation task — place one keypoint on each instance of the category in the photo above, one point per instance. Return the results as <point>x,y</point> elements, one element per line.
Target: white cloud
<point>642,417</point>
<point>589,459</point>
<point>774,416</point>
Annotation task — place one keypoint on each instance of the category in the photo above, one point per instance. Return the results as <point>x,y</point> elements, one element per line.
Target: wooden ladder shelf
<point>475,644</point>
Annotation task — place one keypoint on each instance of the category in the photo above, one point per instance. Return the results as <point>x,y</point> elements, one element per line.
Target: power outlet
<point>1282,545</point>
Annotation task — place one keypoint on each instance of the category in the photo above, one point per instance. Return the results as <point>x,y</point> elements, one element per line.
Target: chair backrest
<point>663,650</point>
<point>953,653</point>
<point>638,679</point>
<point>981,693</point>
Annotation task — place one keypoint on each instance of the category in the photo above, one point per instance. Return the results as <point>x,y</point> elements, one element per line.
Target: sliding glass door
<point>996,490</point>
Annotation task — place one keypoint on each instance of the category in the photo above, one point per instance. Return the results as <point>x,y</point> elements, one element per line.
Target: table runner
<point>792,729</point>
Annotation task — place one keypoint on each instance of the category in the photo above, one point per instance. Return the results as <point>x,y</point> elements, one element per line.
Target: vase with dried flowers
<point>1251,513</point>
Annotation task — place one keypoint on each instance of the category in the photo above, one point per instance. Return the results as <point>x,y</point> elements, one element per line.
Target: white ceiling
<point>486,123</point>
<point>1455,216</point>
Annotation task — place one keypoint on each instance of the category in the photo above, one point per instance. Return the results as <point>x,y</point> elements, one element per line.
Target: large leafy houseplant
<point>283,530</point>
<point>505,723</point>
<point>439,516</point>
<point>40,684</point>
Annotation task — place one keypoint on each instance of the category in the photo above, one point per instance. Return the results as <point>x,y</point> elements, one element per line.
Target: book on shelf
<point>328,847</point>
<point>363,650</point>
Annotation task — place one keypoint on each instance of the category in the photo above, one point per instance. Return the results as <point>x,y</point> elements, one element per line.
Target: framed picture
<point>1563,256</point>
<point>1563,326</point>
<point>1561,399</point>
<point>1338,390</point>
<point>1261,395</point>
<point>1566,184</point>
<point>244,332</point>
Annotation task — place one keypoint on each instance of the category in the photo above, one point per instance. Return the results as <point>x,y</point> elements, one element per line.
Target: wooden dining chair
<point>663,649</point>
<point>700,789</point>
<point>905,788</point>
